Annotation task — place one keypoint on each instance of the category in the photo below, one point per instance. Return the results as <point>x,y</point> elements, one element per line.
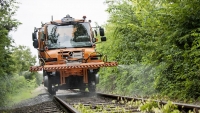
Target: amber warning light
<point>84,17</point>
<point>67,19</point>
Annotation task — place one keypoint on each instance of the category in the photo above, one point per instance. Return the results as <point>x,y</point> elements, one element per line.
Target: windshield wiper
<point>52,48</point>
<point>81,46</point>
<point>70,47</point>
<point>59,48</point>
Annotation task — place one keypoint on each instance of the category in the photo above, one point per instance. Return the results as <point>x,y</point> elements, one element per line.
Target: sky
<point>32,12</point>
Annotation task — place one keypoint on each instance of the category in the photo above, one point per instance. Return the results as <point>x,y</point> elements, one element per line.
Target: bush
<point>130,80</point>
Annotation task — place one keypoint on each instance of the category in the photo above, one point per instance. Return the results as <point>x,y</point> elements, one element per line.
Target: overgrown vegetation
<point>14,61</point>
<point>148,106</point>
<point>158,42</point>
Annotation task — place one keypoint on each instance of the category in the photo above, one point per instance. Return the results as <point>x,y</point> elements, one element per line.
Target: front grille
<point>72,54</point>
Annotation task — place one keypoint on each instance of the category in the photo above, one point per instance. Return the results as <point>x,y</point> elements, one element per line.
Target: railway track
<point>85,102</point>
<point>113,103</point>
<point>96,103</point>
<point>100,102</point>
<point>185,108</point>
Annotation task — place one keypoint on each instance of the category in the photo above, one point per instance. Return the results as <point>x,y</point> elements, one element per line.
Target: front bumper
<point>73,66</point>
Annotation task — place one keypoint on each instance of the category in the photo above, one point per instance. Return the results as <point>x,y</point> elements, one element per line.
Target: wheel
<point>92,87</point>
<point>92,81</point>
<point>82,87</point>
<point>45,79</point>
<point>49,86</point>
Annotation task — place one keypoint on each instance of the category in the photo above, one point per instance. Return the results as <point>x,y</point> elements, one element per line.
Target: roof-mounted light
<point>67,19</point>
<point>84,17</point>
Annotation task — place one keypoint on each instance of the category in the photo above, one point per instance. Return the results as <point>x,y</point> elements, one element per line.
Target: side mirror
<point>34,37</point>
<point>101,31</point>
<point>103,38</point>
<point>35,43</point>
<point>35,29</point>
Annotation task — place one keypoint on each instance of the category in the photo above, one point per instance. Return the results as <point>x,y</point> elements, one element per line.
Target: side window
<point>42,35</point>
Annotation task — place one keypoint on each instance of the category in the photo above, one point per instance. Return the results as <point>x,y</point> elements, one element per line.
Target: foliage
<point>119,105</point>
<point>127,79</point>
<point>8,9</point>
<point>182,62</point>
<point>14,61</point>
<point>154,107</point>
<point>5,87</point>
<point>148,106</point>
<point>7,23</point>
<point>21,78</point>
<point>162,36</point>
<point>151,106</point>
<point>23,59</point>
<point>21,89</point>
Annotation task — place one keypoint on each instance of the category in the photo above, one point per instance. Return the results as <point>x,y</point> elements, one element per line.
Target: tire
<point>45,79</point>
<point>92,87</point>
<point>49,86</point>
<point>91,82</point>
<point>82,87</point>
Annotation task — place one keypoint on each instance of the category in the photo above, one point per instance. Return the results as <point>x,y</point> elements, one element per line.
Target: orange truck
<point>67,54</point>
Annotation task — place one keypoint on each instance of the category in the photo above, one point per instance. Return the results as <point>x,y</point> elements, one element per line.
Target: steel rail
<point>181,106</point>
<point>66,106</point>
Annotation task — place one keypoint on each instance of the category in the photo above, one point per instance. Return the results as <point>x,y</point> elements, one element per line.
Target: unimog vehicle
<point>67,54</point>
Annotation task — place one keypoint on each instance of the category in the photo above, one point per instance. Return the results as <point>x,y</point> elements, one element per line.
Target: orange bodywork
<point>55,59</point>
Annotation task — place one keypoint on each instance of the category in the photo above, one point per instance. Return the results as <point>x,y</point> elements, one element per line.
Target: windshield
<point>76,35</point>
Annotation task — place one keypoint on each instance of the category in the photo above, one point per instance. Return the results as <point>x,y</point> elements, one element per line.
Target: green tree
<point>181,52</point>
<point>129,42</point>
<point>7,23</point>
<point>23,59</point>
<point>22,81</point>
<point>163,37</point>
